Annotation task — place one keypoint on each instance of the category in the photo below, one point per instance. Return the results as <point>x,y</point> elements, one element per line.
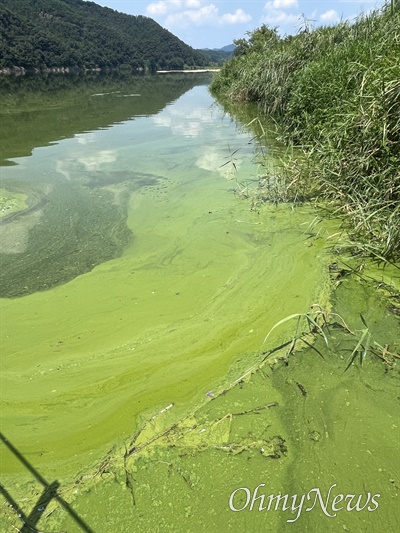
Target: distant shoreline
<point>21,71</point>
<point>189,70</point>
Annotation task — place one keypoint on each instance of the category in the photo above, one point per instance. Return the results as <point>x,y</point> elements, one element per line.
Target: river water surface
<point>136,287</point>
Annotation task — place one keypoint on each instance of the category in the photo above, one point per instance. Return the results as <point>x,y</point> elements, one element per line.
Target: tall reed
<point>335,92</point>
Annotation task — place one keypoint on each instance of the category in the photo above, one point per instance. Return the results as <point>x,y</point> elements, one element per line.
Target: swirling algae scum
<point>150,339</point>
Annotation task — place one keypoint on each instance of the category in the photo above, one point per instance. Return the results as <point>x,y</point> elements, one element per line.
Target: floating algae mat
<point>137,293</point>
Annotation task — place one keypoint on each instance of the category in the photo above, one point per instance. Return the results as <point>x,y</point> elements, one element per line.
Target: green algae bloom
<point>134,369</point>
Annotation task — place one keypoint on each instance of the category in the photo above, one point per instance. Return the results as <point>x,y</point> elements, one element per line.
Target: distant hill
<point>228,48</point>
<point>218,56</point>
<point>43,34</point>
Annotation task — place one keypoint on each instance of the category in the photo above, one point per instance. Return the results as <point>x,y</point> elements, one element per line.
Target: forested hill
<point>41,34</point>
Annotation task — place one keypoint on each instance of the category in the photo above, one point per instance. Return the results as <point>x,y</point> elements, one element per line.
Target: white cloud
<point>205,15</point>
<point>98,159</point>
<point>184,120</point>
<point>85,138</point>
<point>182,13</point>
<point>238,17</point>
<point>282,4</point>
<point>275,12</point>
<point>330,16</point>
<point>160,8</point>
<point>194,4</point>
<point>210,159</point>
<point>279,17</point>
<point>167,6</point>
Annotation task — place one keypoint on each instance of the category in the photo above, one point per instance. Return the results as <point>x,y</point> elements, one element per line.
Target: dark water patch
<point>79,228</point>
<point>135,179</point>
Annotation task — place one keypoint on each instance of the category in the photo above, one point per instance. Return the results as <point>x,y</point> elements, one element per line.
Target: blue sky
<point>215,23</point>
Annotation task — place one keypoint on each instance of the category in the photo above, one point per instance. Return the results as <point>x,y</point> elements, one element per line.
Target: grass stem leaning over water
<point>318,323</point>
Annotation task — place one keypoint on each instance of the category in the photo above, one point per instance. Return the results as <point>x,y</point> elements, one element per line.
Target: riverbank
<point>189,71</point>
<point>21,71</point>
<point>334,91</point>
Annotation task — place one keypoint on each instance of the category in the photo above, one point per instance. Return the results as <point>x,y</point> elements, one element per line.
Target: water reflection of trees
<point>39,110</point>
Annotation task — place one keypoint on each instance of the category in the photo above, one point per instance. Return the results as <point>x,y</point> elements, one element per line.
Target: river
<point>137,291</point>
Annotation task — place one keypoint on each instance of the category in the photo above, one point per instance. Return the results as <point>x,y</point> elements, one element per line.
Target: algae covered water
<point>137,291</point>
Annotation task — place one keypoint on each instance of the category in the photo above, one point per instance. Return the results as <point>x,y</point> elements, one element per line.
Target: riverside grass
<point>335,93</point>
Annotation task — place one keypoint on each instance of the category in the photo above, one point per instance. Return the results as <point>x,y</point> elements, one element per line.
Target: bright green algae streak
<point>195,283</point>
<point>11,202</point>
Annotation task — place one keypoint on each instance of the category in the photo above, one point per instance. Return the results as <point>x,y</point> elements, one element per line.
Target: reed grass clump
<point>335,93</point>
<point>318,323</point>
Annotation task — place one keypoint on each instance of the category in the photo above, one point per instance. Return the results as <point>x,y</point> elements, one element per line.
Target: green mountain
<point>216,56</point>
<point>228,48</point>
<point>42,34</point>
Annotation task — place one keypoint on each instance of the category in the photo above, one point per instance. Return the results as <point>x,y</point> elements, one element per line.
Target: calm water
<point>132,280</point>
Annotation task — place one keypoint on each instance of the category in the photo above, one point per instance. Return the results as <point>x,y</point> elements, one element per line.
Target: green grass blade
<point>290,317</point>
<point>310,319</point>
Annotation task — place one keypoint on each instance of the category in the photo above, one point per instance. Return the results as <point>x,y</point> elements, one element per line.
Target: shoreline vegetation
<point>21,71</point>
<point>334,94</point>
